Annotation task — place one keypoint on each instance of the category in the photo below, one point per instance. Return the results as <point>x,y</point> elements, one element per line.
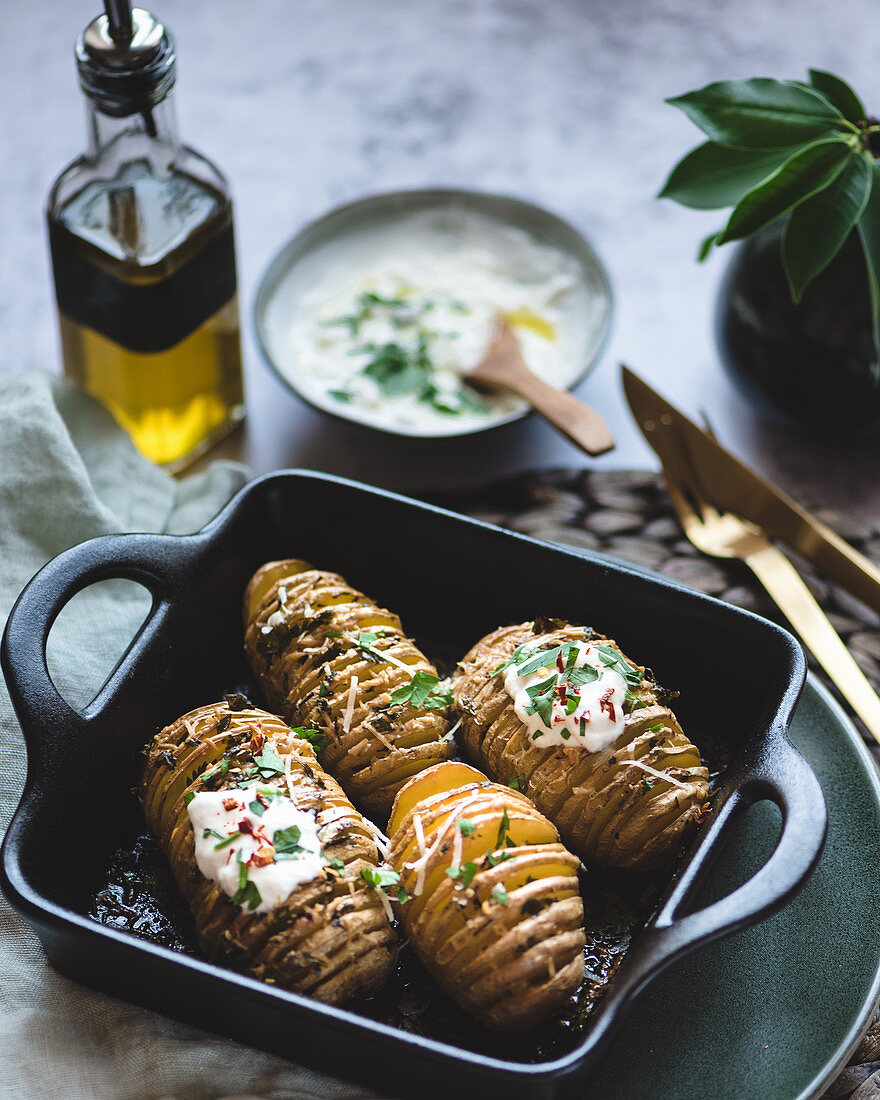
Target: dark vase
<point>814,363</point>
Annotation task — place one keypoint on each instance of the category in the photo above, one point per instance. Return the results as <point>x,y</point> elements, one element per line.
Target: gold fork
<point>725,535</point>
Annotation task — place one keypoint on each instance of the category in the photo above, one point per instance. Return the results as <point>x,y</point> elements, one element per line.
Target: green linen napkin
<point>68,473</point>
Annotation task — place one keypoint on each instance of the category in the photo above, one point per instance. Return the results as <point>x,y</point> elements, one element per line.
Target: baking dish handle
<point>778,773</point>
<point>161,563</point>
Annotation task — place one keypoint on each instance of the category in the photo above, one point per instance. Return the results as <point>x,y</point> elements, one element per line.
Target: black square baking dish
<point>452,580</point>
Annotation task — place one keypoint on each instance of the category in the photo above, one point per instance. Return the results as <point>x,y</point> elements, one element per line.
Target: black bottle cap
<point>125,70</point>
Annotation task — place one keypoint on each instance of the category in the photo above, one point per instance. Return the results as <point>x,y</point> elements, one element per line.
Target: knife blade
<point>734,487</point>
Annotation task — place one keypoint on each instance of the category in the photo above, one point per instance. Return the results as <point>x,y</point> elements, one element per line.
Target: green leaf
<point>422,691</point>
<point>817,228</point>
<point>759,113</point>
<point>286,841</point>
<point>869,231</point>
<point>380,877</point>
<point>706,246</point>
<point>712,176</point>
<point>839,94</point>
<point>804,173</point>
<point>247,894</point>
<point>500,895</point>
<point>315,738</point>
<point>269,763</point>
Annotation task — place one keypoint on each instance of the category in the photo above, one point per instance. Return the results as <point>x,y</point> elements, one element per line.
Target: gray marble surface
<point>311,103</point>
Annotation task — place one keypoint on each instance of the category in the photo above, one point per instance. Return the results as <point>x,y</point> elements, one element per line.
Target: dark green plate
<point>774,1012</point>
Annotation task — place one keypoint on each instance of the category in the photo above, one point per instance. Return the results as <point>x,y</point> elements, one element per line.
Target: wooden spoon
<point>503,366</point>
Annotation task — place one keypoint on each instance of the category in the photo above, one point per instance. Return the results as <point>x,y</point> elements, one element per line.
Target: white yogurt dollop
<point>257,858</point>
<point>381,324</point>
<point>567,696</point>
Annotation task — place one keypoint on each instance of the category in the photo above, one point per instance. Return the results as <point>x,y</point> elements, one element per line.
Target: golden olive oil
<point>143,255</point>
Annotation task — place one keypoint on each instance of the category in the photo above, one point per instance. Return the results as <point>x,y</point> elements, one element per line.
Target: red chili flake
<point>244,826</point>
<point>606,704</point>
<point>263,856</point>
<point>560,664</point>
<point>257,740</point>
<point>231,804</point>
<point>263,800</point>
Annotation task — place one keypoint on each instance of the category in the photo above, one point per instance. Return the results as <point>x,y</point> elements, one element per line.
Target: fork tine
<point>687,473</point>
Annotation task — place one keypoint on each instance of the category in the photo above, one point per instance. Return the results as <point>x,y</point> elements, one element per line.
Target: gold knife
<point>731,485</point>
<point>726,535</point>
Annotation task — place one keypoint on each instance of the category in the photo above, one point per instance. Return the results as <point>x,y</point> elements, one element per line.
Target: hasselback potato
<point>274,861</point>
<point>493,907</point>
<point>329,658</point>
<point>562,713</point>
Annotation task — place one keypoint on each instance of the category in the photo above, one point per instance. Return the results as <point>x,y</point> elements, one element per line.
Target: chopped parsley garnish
<point>422,692</point>
<point>494,860</point>
<point>366,637</point>
<point>541,698</point>
<point>465,826</point>
<point>500,895</point>
<point>545,659</point>
<point>608,655</point>
<point>218,771</point>
<point>406,363</point>
<point>380,877</point>
<point>315,738</point>
<point>286,843</point>
<point>337,864</point>
<point>402,895</point>
<point>503,840</point>
<point>520,653</point>
<point>269,763</point>
<point>463,875</point>
<point>256,807</point>
<point>518,783</point>
<point>247,891</point>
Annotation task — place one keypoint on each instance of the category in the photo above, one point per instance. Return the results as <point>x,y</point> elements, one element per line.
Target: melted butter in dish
<point>567,695</point>
<point>382,323</point>
<point>255,844</point>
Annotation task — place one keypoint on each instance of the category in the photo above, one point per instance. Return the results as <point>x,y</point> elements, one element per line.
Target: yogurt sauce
<point>382,323</point>
<point>567,695</point>
<point>258,859</point>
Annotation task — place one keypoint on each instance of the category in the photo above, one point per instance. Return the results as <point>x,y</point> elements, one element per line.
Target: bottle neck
<point>150,136</point>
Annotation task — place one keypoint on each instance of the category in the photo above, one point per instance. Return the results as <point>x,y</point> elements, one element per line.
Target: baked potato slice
<point>268,853</point>
<point>630,802</point>
<point>329,658</point>
<point>493,907</point>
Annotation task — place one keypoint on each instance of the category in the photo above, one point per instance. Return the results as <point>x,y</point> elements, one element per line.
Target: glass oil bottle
<point>141,239</point>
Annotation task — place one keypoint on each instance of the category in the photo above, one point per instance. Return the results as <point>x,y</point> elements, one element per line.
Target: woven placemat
<point>627,514</point>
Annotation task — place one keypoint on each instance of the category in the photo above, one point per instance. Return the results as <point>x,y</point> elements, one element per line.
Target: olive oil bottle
<point>141,240</point>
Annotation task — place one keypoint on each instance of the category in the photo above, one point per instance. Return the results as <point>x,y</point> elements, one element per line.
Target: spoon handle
<point>577,421</point>
<point>504,365</point>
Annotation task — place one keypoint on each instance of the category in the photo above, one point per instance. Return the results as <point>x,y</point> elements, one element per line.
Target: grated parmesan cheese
<point>448,736</point>
<point>379,736</point>
<point>423,856</point>
<point>653,771</point>
<point>456,850</point>
<point>349,706</point>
